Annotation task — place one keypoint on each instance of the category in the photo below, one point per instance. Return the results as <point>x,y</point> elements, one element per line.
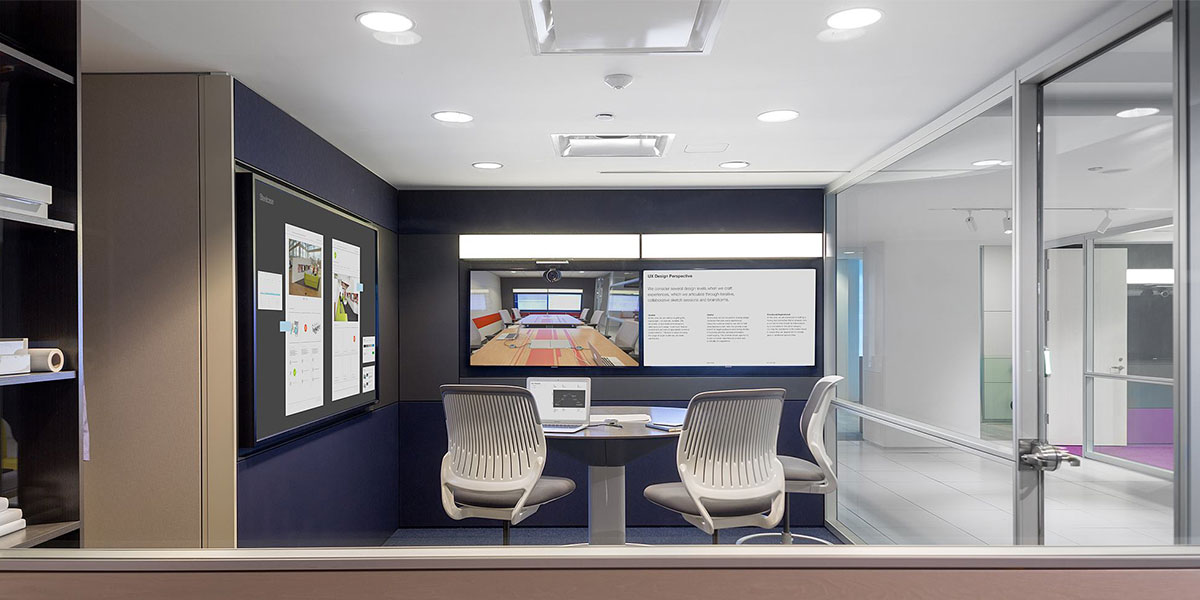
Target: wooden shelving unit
<point>35,377</point>
<point>35,535</point>
<point>40,276</point>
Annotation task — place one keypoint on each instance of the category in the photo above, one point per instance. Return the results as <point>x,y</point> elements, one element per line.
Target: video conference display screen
<point>585,319</point>
<point>308,320</point>
<point>696,317</point>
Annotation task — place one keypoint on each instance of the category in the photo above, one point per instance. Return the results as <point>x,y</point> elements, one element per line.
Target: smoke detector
<point>618,81</point>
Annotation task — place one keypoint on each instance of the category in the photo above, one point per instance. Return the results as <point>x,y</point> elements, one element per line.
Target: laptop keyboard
<point>560,426</point>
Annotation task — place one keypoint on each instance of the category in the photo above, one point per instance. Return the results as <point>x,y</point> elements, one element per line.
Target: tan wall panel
<point>219,316</point>
<point>141,281</point>
<point>678,584</point>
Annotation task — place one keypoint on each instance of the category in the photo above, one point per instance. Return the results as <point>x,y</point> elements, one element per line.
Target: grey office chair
<point>802,476</point>
<point>730,476</point>
<point>495,455</point>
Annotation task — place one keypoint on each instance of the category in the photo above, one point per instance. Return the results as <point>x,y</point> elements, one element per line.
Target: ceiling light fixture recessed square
<point>596,145</point>
<point>622,26</point>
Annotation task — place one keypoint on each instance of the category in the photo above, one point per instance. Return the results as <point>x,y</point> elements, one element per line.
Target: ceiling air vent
<point>592,145</point>
<point>622,26</point>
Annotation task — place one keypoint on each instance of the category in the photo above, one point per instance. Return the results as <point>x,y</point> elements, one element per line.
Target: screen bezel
<point>467,370</point>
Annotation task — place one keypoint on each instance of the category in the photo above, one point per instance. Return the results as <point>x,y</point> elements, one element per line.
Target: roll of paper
<point>45,360</point>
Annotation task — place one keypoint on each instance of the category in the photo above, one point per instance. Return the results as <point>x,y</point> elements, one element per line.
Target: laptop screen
<point>561,399</point>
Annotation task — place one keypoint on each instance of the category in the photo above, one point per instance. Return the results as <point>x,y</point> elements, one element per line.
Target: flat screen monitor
<point>519,318</point>
<point>561,399</point>
<point>307,318</point>
<point>730,317</point>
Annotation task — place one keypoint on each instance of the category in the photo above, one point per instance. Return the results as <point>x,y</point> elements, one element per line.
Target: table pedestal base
<point>606,505</point>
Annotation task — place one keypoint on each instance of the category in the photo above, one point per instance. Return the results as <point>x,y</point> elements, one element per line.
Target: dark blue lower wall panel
<point>335,487</point>
<point>423,443</point>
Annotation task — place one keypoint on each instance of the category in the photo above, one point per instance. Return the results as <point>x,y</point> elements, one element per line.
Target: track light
<point>970,221</point>
<point>1008,228</point>
<point>1105,223</point>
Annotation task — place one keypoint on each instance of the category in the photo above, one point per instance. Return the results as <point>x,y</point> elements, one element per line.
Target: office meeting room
<point>607,298</point>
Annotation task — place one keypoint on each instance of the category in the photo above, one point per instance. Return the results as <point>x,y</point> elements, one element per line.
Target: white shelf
<point>21,378</point>
<point>9,215</point>
<point>34,535</point>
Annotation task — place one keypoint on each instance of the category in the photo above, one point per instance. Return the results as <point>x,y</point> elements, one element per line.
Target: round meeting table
<point>606,449</point>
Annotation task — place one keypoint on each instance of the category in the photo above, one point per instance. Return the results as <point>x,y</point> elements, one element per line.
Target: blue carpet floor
<point>558,536</point>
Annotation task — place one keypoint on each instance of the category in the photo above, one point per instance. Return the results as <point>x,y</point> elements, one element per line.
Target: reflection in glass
<point>924,284</point>
<point>1108,222</point>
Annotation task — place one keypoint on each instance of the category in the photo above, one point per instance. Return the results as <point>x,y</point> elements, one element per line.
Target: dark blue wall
<point>272,141</point>
<point>334,487</point>
<point>430,224</point>
<point>338,486</point>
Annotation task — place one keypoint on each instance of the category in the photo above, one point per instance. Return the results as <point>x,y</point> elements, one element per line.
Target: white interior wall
<point>489,283</point>
<point>922,332</point>
<point>1064,338</point>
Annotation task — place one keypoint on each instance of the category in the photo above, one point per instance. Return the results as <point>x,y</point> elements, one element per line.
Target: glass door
<point>1101,463</point>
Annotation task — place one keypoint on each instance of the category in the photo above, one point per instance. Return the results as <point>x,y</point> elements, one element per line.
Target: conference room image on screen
<point>585,319</point>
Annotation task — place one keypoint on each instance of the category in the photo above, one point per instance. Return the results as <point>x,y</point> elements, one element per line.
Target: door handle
<point>1041,456</point>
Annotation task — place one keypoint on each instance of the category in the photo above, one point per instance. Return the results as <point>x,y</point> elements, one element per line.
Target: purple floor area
<point>1155,455</point>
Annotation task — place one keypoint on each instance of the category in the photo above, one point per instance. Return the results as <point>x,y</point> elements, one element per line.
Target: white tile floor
<point>941,496</point>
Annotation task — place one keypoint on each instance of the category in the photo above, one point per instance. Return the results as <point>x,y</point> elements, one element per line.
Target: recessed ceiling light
<point>991,162</point>
<point>453,116</point>
<point>854,18</point>
<point>487,165</point>
<point>1134,113</point>
<point>734,164</point>
<point>778,116</point>
<point>604,117</point>
<point>387,22</point>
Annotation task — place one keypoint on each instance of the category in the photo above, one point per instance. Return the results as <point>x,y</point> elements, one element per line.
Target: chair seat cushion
<point>674,496</point>
<point>545,490</point>
<point>798,469</point>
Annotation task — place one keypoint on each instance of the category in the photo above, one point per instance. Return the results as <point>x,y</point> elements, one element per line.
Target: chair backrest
<point>505,317</point>
<point>517,313</point>
<point>812,425</point>
<point>476,338</point>
<point>627,335</point>
<point>596,316</point>
<point>489,324</point>
<point>583,315</point>
<point>727,444</point>
<point>493,434</point>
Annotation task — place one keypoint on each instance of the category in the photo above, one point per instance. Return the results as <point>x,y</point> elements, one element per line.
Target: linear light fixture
<point>1150,276</point>
<point>562,246</point>
<point>732,245</point>
<point>547,291</point>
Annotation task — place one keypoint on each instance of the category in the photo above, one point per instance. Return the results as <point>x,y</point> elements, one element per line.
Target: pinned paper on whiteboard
<point>270,291</point>
<point>368,379</point>
<point>368,349</point>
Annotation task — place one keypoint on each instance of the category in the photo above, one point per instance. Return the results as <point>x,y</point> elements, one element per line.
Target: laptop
<point>604,361</point>
<point>564,404</point>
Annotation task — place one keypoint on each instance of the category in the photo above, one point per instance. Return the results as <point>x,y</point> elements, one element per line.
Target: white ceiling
<point>1093,160</point>
<point>373,100</point>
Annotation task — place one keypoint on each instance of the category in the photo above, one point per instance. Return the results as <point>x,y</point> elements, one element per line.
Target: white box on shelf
<point>13,345</point>
<point>25,197</point>
<point>14,364</point>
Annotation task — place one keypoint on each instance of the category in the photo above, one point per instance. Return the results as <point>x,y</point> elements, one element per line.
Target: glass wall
<point>924,298</point>
<point>1109,201</point>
